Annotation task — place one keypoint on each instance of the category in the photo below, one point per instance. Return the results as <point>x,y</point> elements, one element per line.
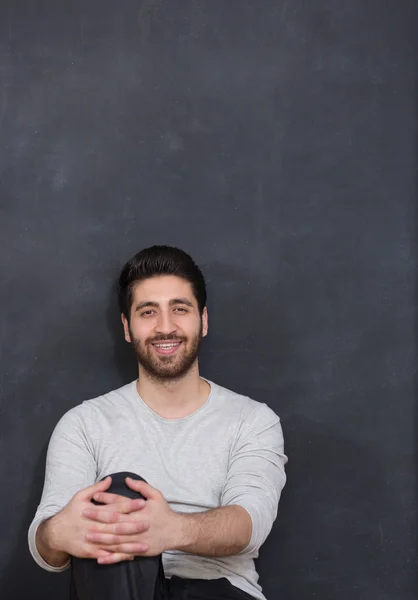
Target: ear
<point>126,329</point>
<point>205,322</point>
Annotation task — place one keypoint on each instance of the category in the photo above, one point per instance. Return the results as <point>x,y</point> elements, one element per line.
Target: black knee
<point>120,487</point>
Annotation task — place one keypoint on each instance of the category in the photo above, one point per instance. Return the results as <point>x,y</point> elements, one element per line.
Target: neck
<point>174,399</point>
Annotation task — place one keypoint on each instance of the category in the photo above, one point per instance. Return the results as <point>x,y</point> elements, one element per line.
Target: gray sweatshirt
<point>229,452</point>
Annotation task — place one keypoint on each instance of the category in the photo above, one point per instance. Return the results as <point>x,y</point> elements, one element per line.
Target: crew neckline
<point>187,417</point>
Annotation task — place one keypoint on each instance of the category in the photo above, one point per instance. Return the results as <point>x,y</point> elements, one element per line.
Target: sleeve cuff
<point>35,552</point>
<point>255,541</point>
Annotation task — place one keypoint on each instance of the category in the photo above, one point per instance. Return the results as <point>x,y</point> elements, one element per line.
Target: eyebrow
<point>172,302</point>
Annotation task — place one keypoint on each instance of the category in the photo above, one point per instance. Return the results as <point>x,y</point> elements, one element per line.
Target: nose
<point>165,323</point>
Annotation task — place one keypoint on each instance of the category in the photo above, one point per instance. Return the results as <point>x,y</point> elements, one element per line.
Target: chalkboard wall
<point>276,142</point>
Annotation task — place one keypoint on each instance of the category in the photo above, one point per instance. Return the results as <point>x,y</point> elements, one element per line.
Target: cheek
<point>192,329</point>
<point>141,331</point>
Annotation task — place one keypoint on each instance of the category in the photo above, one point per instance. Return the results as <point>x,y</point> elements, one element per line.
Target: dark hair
<point>159,260</point>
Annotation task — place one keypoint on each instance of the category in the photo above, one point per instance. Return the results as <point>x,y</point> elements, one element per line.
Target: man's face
<point>165,326</point>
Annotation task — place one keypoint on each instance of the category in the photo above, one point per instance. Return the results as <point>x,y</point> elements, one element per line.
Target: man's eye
<point>181,309</point>
<point>147,313</point>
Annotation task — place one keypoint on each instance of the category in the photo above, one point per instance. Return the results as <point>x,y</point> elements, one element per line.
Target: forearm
<point>47,543</point>
<point>223,531</point>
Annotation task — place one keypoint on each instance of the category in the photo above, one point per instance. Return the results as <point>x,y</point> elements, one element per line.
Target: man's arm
<point>222,531</point>
<point>70,467</point>
<point>256,474</point>
<point>250,495</point>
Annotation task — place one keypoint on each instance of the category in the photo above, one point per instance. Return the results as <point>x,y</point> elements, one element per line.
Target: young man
<point>167,487</point>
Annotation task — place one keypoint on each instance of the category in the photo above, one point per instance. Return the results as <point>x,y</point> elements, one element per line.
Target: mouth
<point>166,348</point>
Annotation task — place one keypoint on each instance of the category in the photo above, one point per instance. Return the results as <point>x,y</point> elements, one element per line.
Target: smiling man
<point>167,487</point>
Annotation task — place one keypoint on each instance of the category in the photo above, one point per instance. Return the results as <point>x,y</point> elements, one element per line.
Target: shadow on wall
<point>335,532</point>
<point>123,355</point>
<point>247,342</point>
<point>332,536</point>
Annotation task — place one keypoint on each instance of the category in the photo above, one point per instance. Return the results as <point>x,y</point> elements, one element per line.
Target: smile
<point>166,347</point>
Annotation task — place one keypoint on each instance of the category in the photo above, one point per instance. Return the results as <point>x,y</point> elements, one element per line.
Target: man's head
<point>162,298</point>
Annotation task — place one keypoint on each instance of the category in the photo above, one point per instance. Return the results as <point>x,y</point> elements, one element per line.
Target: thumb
<point>100,486</point>
<point>143,488</point>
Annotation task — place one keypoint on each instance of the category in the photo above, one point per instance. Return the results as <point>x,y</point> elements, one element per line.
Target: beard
<point>163,369</point>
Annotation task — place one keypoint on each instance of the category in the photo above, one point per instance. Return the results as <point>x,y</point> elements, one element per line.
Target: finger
<point>94,551</point>
<point>114,557</point>
<point>111,538</point>
<point>104,539</point>
<point>130,528</point>
<point>100,486</point>
<point>143,488</point>
<point>135,548</point>
<point>102,553</point>
<point>106,498</point>
<point>121,511</point>
<point>102,516</point>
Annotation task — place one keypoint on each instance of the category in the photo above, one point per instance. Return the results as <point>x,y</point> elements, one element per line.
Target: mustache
<point>166,338</point>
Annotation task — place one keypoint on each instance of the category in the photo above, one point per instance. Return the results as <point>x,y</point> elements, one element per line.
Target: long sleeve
<point>70,467</point>
<point>256,474</point>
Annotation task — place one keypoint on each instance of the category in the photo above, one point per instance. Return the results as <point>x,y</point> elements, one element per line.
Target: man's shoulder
<point>104,403</point>
<point>113,398</point>
<point>238,403</point>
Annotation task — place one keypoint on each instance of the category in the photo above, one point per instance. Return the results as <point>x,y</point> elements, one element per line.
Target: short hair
<point>158,261</point>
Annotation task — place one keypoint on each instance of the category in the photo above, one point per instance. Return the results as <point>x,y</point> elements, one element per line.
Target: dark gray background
<point>276,142</point>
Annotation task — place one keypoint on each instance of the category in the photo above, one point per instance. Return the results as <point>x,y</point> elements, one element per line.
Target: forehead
<point>162,289</point>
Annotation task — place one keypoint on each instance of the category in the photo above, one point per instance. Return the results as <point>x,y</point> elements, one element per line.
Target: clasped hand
<point>126,528</point>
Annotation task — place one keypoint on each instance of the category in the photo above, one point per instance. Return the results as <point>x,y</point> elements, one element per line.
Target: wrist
<point>48,533</point>
<point>181,532</point>
<point>48,542</point>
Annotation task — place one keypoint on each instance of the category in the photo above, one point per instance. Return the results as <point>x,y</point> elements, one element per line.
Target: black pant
<point>143,578</point>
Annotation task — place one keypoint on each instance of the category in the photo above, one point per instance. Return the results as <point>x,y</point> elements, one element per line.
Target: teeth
<point>167,346</point>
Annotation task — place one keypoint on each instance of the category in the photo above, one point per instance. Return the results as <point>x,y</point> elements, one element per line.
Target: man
<point>196,470</point>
